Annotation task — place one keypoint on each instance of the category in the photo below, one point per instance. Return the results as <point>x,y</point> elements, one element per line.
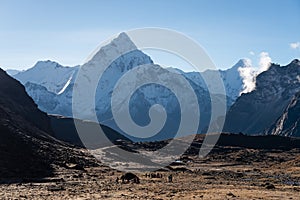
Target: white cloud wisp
<point>249,73</point>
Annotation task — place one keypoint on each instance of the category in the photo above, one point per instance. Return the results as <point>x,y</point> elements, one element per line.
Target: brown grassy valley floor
<point>228,172</point>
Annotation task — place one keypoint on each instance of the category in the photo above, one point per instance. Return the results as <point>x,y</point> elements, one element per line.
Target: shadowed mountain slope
<point>27,148</point>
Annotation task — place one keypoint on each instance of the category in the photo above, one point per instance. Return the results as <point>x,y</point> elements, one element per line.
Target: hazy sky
<point>67,31</point>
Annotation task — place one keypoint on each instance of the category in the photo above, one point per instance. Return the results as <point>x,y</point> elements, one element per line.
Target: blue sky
<point>67,31</point>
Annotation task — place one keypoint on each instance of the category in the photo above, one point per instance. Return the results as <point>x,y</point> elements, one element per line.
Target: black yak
<point>130,176</point>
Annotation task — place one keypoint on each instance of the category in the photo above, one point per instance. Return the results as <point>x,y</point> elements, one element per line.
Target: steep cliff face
<point>256,111</point>
<point>289,122</point>
<point>15,101</point>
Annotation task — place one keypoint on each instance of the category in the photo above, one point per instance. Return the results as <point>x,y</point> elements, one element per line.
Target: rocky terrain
<point>233,170</point>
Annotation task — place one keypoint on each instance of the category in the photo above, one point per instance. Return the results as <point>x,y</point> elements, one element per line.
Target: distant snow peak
<point>122,43</point>
<point>244,62</point>
<point>49,74</point>
<point>247,62</point>
<point>46,64</point>
<point>249,73</point>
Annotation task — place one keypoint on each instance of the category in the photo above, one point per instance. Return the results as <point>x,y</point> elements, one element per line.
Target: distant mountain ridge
<point>232,80</point>
<point>48,94</point>
<point>51,86</point>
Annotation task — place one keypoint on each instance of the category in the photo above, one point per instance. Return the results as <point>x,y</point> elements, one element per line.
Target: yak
<point>130,176</point>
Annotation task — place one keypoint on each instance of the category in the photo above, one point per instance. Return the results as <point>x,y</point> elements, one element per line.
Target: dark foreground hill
<point>64,129</point>
<point>28,148</point>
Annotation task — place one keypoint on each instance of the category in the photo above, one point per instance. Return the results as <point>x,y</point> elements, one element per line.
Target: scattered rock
<point>239,174</point>
<point>269,186</point>
<point>74,166</point>
<point>206,174</point>
<point>210,178</point>
<point>56,188</point>
<point>231,194</point>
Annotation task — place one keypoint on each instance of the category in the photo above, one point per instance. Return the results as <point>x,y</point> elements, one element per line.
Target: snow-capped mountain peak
<point>116,46</point>
<point>46,64</point>
<point>244,62</point>
<point>114,60</point>
<point>49,74</point>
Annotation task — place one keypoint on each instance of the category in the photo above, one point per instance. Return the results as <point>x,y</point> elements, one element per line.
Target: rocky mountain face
<point>28,148</point>
<point>258,110</point>
<point>51,87</point>
<point>289,122</point>
<point>46,100</point>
